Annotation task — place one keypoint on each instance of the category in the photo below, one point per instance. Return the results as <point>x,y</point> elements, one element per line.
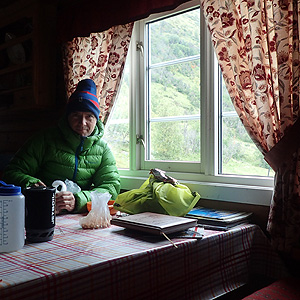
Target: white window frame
<point>207,182</point>
<point>169,166</point>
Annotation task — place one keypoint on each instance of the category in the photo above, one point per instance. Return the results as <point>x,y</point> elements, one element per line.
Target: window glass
<point>173,98</point>
<point>174,37</point>
<point>116,131</point>
<point>175,141</point>
<point>238,153</point>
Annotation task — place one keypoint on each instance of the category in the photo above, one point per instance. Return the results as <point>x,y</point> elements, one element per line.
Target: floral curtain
<point>257,46</point>
<point>101,57</point>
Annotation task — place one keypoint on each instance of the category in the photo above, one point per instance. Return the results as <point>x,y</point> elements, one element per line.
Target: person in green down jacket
<point>73,150</point>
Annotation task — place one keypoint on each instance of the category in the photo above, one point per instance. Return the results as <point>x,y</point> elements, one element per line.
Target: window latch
<point>140,140</point>
<point>140,47</point>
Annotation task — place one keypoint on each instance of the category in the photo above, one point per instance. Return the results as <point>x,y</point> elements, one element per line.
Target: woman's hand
<point>64,201</point>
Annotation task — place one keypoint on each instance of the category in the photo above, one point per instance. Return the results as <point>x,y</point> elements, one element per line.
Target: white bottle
<point>12,218</point>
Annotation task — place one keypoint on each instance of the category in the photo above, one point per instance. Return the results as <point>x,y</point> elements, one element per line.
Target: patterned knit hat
<point>84,98</point>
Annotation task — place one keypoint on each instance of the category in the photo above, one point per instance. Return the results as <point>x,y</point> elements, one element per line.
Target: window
<point>173,88</point>
<point>173,113</point>
<point>117,128</point>
<point>237,153</point>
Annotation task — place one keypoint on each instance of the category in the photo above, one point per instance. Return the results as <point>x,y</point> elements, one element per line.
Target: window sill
<point>213,190</point>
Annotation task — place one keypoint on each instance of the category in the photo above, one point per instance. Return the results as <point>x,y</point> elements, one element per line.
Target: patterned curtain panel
<point>101,57</point>
<point>257,46</point>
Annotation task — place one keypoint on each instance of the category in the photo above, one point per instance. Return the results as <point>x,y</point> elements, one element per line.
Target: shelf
<point>27,84</point>
<point>15,41</point>
<point>27,55</point>
<point>10,91</point>
<point>14,68</point>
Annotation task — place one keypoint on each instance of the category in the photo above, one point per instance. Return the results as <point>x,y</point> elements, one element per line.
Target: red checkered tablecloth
<point>114,263</point>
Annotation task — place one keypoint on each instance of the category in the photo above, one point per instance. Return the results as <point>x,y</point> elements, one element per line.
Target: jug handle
<point>60,183</point>
<point>5,184</point>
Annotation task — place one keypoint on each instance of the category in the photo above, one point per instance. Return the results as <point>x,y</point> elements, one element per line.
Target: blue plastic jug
<point>12,218</point>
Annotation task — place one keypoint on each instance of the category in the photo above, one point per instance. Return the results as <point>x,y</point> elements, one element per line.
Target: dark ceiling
<point>5,3</point>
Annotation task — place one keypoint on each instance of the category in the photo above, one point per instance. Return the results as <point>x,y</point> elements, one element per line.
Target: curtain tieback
<point>285,148</point>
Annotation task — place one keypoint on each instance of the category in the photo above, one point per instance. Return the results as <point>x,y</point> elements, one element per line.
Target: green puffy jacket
<point>59,154</point>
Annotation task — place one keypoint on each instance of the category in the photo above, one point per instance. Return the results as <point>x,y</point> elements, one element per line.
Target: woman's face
<point>82,123</point>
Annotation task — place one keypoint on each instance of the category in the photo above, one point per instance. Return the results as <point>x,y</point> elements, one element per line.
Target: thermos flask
<point>39,213</point>
<point>12,210</point>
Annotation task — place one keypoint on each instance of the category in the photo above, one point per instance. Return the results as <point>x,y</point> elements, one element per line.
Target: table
<point>114,263</point>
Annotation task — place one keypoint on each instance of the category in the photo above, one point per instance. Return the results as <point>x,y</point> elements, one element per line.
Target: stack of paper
<point>218,219</point>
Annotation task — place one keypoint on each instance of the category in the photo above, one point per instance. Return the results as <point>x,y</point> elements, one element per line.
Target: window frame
<point>148,67</point>
<point>205,180</point>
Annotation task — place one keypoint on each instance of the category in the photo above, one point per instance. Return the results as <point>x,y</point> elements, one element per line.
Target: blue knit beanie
<point>84,98</point>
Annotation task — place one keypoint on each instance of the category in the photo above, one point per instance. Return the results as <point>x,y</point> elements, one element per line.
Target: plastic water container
<point>12,218</point>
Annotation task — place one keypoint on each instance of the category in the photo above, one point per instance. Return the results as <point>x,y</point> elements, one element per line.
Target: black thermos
<point>39,213</point>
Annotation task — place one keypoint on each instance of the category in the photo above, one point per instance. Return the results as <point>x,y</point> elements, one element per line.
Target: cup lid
<point>9,189</point>
<point>39,188</point>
